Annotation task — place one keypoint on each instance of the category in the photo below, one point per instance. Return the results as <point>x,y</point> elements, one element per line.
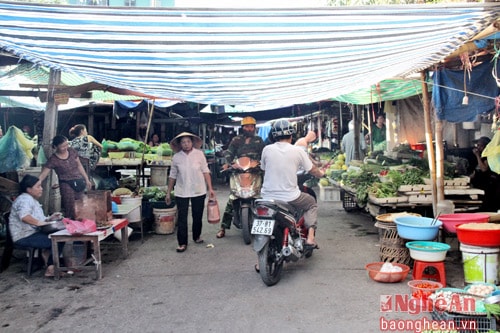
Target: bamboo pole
<point>428,138</point>
<point>439,163</point>
<point>355,120</point>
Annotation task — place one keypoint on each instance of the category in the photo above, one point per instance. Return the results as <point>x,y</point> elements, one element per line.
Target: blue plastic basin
<point>417,227</point>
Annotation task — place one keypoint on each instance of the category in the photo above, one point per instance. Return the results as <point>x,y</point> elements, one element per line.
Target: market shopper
<point>190,175</point>
<point>73,179</point>
<point>88,148</point>
<point>281,161</point>
<point>348,147</point>
<point>304,143</point>
<point>26,218</point>
<point>247,144</point>
<point>485,179</point>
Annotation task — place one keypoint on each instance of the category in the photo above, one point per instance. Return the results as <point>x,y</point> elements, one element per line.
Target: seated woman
<point>26,216</point>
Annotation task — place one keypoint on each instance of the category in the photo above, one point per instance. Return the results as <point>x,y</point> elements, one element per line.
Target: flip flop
<point>314,246</point>
<point>199,241</point>
<point>221,233</point>
<point>181,248</point>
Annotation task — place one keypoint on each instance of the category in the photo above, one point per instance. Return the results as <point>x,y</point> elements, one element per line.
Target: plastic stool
<point>419,268</point>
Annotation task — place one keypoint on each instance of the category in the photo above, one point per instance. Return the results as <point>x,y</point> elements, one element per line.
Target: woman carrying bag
<point>190,174</point>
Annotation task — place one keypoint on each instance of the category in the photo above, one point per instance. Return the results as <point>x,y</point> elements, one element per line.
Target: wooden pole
<point>428,138</point>
<point>355,120</point>
<point>49,131</point>
<point>439,163</point>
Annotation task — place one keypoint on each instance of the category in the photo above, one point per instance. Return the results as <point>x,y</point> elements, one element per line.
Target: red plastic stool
<point>419,273</point>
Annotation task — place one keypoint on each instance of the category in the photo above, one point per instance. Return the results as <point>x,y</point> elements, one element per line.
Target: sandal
<point>181,248</point>
<point>49,272</point>
<point>221,233</point>
<point>199,241</point>
<point>314,245</point>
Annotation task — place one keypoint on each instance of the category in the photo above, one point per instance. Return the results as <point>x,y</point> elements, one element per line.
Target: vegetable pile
<point>152,193</point>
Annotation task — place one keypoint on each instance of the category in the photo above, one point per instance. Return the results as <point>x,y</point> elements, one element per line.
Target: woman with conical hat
<point>190,175</point>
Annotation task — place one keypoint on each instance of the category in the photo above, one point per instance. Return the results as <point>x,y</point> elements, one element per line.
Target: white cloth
<point>281,161</point>
<point>188,170</point>
<point>24,205</point>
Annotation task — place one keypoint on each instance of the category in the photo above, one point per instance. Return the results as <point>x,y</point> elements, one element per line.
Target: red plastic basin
<point>450,221</point>
<point>479,237</point>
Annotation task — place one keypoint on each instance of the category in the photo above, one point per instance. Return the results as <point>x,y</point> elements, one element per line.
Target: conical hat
<point>176,146</point>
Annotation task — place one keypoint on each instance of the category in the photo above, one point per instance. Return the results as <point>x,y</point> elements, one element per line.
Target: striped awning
<point>252,57</point>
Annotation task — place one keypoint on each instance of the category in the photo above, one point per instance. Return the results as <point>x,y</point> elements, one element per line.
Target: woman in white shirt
<point>190,174</point>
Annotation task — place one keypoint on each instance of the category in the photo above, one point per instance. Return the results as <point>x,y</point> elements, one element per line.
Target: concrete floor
<point>215,289</point>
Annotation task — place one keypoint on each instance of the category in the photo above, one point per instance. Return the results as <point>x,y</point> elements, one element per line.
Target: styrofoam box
<point>329,193</point>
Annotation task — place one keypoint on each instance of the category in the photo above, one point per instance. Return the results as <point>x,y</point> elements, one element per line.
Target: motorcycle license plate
<point>262,227</point>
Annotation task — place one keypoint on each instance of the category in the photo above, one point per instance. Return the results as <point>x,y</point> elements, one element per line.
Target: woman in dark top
<point>65,162</point>
<point>485,179</point>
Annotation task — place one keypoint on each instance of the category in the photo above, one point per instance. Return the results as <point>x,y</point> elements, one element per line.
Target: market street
<point>214,289</point>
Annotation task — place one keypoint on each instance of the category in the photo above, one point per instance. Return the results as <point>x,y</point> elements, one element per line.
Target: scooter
<point>279,236</point>
<point>245,182</point>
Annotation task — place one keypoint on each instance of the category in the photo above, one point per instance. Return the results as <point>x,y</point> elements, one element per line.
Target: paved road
<point>213,289</point>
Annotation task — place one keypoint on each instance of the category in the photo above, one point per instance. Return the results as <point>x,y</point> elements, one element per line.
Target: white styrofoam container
<point>329,193</point>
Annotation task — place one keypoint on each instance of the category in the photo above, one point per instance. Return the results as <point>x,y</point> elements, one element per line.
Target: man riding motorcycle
<point>246,144</point>
<point>281,161</point>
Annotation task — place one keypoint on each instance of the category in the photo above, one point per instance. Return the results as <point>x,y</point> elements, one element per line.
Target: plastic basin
<point>450,221</point>
<point>422,289</point>
<point>479,234</point>
<point>417,228</point>
<point>428,251</point>
<point>388,277</point>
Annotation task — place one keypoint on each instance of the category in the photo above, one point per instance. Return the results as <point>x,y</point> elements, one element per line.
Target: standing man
<point>348,147</point>
<point>246,144</point>
<point>281,161</point>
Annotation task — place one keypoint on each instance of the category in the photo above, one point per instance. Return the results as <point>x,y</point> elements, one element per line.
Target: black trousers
<point>197,207</point>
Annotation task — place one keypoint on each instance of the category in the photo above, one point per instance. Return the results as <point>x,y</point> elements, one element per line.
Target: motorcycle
<point>245,182</point>
<point>279,236</point>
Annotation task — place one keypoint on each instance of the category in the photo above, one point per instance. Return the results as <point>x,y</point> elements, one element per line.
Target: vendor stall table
<point>133,214</point>
<point>94,238</point>
<point>123,163</point>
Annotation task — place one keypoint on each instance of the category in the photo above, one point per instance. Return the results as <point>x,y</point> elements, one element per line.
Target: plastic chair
<point>421,271</point>
<point>10,247</point>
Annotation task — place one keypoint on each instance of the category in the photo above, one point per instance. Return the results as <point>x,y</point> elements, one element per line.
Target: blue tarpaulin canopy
<point>267,58</point>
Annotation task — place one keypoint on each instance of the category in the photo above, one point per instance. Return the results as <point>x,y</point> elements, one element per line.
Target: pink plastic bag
<point>75,227</point>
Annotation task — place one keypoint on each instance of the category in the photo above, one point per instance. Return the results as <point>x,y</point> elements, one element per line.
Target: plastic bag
<point>492,152</point>
<point>15,150</point>
<point>213,213</point>
<point>75,227</point>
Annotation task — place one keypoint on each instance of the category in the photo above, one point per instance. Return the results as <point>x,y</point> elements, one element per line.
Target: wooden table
<point>124,163</point>
<point>94,238</point>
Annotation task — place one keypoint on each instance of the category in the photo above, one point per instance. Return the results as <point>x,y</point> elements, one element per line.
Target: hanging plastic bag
<point>76,227</point>
<point>15,150</point>
<point>213,213</point>
<point>492,152</point>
